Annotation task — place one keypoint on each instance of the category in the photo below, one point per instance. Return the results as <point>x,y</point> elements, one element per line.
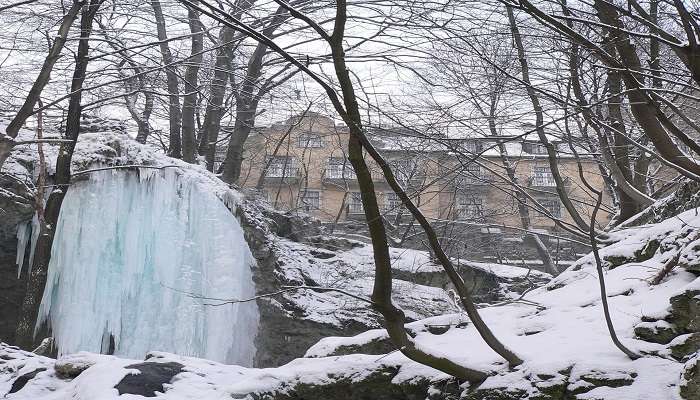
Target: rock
<point>690,257</point>
<point>656,332</point>
<point>685,345</point>
<point>292,226</point>
<point>614,380</point>
<point>16,206</point>
<point>150,380</point>
<point>685,197</point>
<point>690,379</point>
<point>376,346</point>
<point>685,311</point>
<point>496,394</point>
<point>333,243</point>
<point>45,348</point>
<point>71,366</point>
<point>22,380</point>
<point>640,255</point>
<point>647,251</point>
<point>375,386</point>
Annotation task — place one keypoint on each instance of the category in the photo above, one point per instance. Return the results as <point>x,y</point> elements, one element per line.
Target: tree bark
<point>42,253</point>
<point>189,104</point>
<point>645,110</point>
<point>174,111</point>
<point>247,100</point>
<point>213,114</point>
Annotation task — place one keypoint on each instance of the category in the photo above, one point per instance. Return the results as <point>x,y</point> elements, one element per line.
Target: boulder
<point>690,379</point>
<point>685,345</point>
<point>656,332</point>
<point>150,378</point>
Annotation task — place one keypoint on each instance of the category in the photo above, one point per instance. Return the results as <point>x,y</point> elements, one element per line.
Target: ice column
<point>129,247</point>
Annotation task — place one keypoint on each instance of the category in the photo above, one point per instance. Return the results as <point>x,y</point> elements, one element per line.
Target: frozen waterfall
<point>129,247</point>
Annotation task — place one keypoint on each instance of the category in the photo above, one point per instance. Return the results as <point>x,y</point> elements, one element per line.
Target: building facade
<point>301,165</point>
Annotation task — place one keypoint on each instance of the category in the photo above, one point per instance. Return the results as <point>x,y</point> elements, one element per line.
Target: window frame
<point>286,169</point>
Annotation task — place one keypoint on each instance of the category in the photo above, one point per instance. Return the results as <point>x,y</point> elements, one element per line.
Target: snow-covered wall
<point>133,254</point>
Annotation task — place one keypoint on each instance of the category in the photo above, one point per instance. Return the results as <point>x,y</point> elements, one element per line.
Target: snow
<point>564,328</point>
<point>559,332</point>
<point>129,248</point>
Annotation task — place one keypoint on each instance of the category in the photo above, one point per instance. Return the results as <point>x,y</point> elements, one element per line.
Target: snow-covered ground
<point>558,330</point>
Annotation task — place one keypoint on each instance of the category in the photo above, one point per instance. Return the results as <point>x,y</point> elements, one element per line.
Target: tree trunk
<point>6,142</point>
<point>381,294</point>
<point>212,117</point>
<point>644,108</point>
<point>189,104</point>
<point>174,112</point>
<point>42,254</point>
<point>247,100</point>
<point>539,122</point>
<point>523,211</point>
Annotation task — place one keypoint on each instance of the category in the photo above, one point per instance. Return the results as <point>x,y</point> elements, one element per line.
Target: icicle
<point>126,251</point>
<point>35,236</point>
<point>23,237</point>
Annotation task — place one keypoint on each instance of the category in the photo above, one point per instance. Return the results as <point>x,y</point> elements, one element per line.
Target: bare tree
<point>37,278</point>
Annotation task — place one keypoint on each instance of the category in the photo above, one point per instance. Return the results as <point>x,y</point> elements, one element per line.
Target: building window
<point>282,167</point>
<point>542,176</point>
<point>311,200</point>
<point>552,205</point>
<point>339,168</point>
<point>472,174</point>
<point>469,208</point>
<point>405,169</point>
<point>534,148</point>
<point>394,205</point>
<point>355,203</point>
<point>472,146</point>
<point>309,140</point>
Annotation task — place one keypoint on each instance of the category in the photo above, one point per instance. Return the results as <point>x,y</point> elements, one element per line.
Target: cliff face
<point>16,205</point>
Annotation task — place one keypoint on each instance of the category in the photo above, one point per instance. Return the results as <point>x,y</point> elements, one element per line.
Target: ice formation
<point>27,233</point>
<point>129,248</point>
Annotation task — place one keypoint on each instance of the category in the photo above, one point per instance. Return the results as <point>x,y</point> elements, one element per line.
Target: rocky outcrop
<point>377,385</point>
<point>685,197</point>
<point>16,206</point>
<point>690,379</point>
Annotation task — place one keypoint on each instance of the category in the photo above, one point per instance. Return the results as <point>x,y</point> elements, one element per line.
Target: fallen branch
<point>87,171</point>
<point>668,267</point>
<point>285,289</point>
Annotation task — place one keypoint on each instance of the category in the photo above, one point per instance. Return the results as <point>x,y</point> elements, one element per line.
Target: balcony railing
<point>545,181</point>
<point>288,174</point>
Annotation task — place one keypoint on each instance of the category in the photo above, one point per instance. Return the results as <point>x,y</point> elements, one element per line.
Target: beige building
<point>300,165</point>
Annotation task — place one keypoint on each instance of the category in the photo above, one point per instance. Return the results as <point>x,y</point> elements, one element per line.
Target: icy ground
<point>558,330</point>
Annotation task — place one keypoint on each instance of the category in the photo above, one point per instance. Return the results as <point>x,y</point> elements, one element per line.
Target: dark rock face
<point>690,384</point>
<point>283,333</point>
<point>16,206</point>
<point>151,379</point>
